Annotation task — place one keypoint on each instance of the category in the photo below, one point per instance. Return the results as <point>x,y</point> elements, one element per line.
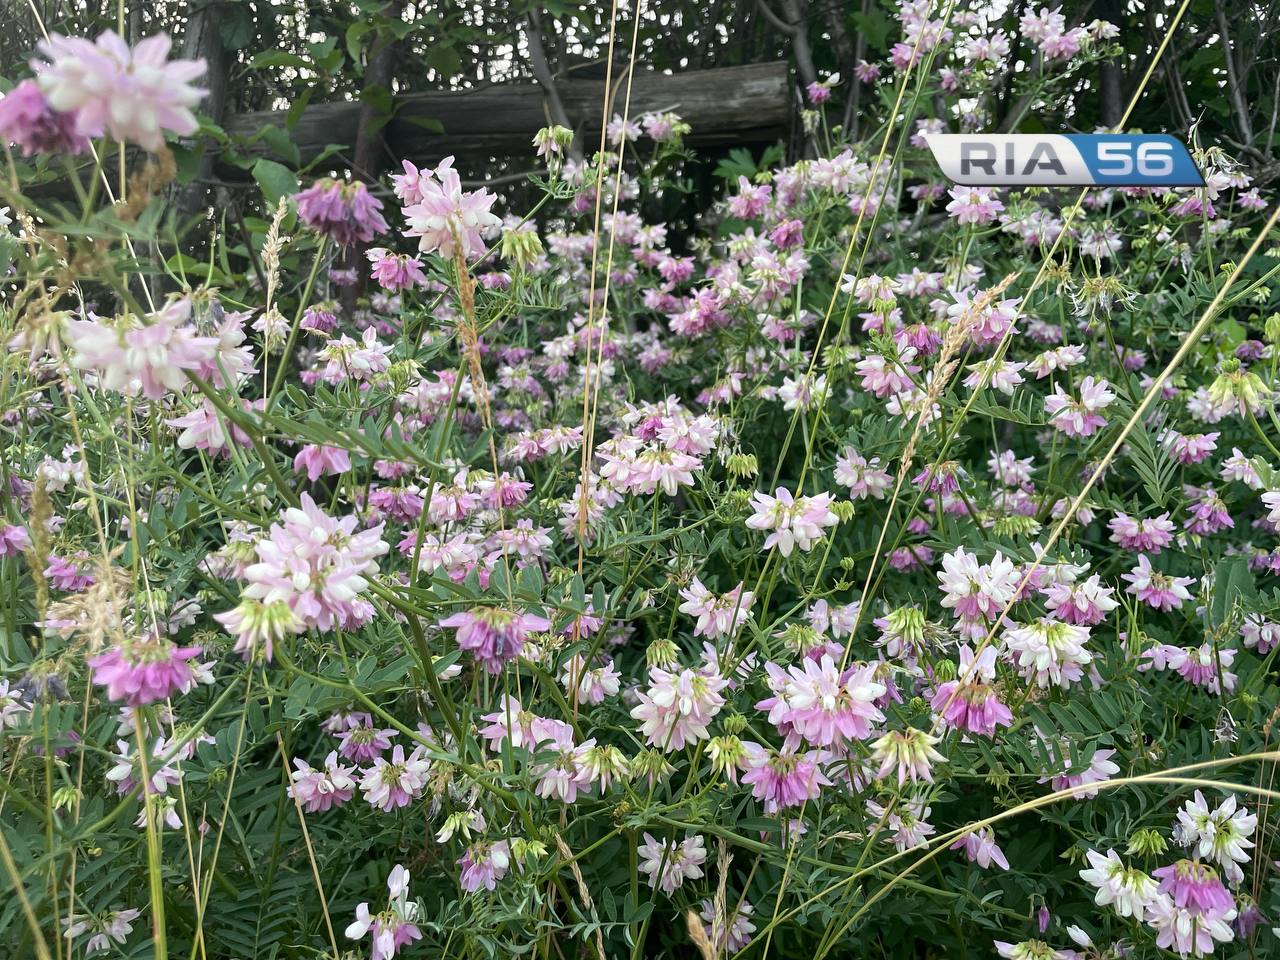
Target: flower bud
<point>1146,842</point>
<point>662,653</point>
<point>742,465</point>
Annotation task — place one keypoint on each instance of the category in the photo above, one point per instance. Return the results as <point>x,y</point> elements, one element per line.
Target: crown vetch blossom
<point>317,460</point>
<point>969,702</point>
<point>1049,652</point>
<point>316,565</point>
<point>395,271</point>
<point>981,848</point>
<point>677,707</point>
<point>394,927</point>
<point>793,521</point>
<point>1188,932</point>
<point>668,864</point>
<point>394,783</point>
<point>818,703</point>
<point>784,778</point>
<point>494,635</point>
<point>1100,769</point>
<point>484,864</point>
<point>443,216</point>
<point>1080,417</point>
<point>346,213</point>
<point>1128,890</point>
<point>1142,535</point>
<point>1195,886</point>
<point>131,357</point>
<point>113,927</point>
<point>909,752</point>
<point>1158,590</point>
<point>27,120</point>
<point>320,789</point>
<point>143,670</point>
<point>1221,835</point>
<point>259,626</point>
<point>737,935</point>
<point>1085,604</point>
<point>130,94</point>
<point>718,615</point>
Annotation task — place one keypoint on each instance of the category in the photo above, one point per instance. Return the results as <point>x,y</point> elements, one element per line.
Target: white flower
<point>1049,651</point>
<point>1129,891</point>
<point>1221,835</point>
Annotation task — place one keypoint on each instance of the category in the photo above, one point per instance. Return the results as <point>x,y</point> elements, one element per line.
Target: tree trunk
<point>204,40</point>
<point>728,105</point>
<point>542,73</point>
<point>370,154</point>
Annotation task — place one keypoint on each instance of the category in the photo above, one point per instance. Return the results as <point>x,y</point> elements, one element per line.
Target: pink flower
<point>1195,886</point>
<point>494,635</point>
<point>346,213</point>
<point>668,864</point>
<point>1158,590</point>
<point>68,574</point>
<point>361,741</point>
<point>969,702</point>
<point>27,120</point>
<point>1186,931</point>
<point>866,72</point>
<point>395,271</point>
<point>1259,633</point>
<point>814,701</point>
<point>1208,514</point>
<point>132,95</point>
<point>975,205</point>
<point>258,626</point>
<point>317,460</point>
<point>14,539</point>
<point>677,707</point>
<point>144,670</point>
<point>316,564</point>
<point>1049,652</point>
<point>1100,769</point>
<point>394,927</point>
<point>112,928</point>
<point>1079,418</point>
<point>319,790</point>
<point>973,590</point>
<point>131,358</point>
<point>751,200</point>
<point>981,848</point>
<point>394,783</point>
<point>910,753</point>
<point>592,685</point>
<point>730,934</point>
<point>718,616</point>
<point>1142,535</point>
<point>484,864</point>
<point>793,521</point>
<point>320,317</point>
<point>443,216</point>
<point>1086,603</point>
<point>782,779</point>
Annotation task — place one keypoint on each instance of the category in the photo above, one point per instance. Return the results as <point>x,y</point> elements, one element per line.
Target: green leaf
<point>278,58</point>
<point>1232,582</point>
<point>295,109</point>
<point>444,60</point>
<point>277,138</point>
<point>355,39</point>
<point>275,179</point>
